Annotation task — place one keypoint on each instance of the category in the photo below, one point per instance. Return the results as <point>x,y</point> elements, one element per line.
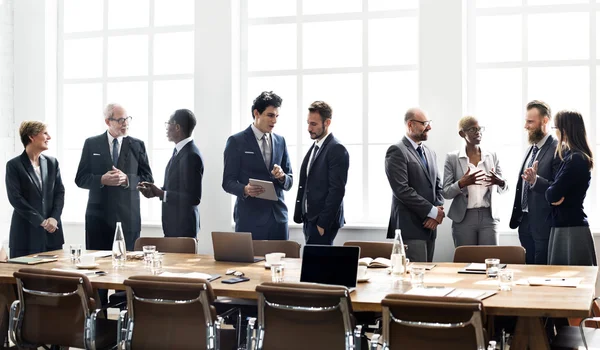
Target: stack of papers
<point>82,272</point>
<point>30,260</point>
<point>430,291</point>
<point>202,275</point>
<point>477,268</point>
<point>472,293</point>
<point>451,292</point>
<point>101,253</point>
<point>554,281</point>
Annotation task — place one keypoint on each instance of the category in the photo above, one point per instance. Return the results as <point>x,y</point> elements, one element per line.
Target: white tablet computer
<point>269,193</point>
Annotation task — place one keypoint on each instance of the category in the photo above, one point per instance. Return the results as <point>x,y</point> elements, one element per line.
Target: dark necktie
<point>312,161</point>
<point>115,152</point>
<point>527,186</point>
<point>171,161</point>
<point>422,156</point>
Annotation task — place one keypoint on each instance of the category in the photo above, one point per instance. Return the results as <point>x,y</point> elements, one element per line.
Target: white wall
<point>217,99</point>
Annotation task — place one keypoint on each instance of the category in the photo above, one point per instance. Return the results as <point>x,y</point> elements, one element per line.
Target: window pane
<point>380,193</point>
<point>173,12</point>
<point>597,35</point>
<point>500,117</point>
<point>174,53</point>
<point>171,95</point>
<point>510,158</point>
<point>82,58</point>
<point>285,87</point>
<point>343,92</point>
<point>339,44</point>
<point>271,8</point>
<point>384,88</point>
<point>558,36</point>
<point>561,87</point>
<point>402,49</point>
<point>75,197</point>
<point>498,3</point>
<point>312,7</point>
<point>555,2</point>
<point>127,55</point>
<point>158,163</point>
<point>128,14</point>
<point>386,5</point>
<point>353,199</point>
<point>263,56</point>
<point>290,196</point>
<point>493,45</point>
<point>133,96</point>
<point>82,113</point>
<point>82,16</point>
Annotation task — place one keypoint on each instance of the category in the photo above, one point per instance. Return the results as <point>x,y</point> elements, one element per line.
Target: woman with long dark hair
<point>571,241</point>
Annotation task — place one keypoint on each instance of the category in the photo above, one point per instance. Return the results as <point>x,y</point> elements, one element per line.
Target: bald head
<point>414,113</point>
<point>417,124</point>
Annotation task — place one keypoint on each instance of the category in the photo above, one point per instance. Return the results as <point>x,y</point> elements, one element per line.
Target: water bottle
<point>398,257</point>
<point>119,251</point>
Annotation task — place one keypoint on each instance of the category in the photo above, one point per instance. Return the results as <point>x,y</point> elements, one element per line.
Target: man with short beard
<point>417,199</point>
<point>531,209</point>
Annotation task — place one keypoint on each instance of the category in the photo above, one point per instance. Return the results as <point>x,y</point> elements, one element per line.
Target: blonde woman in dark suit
<point>471,175</point>
<point>36,192</point>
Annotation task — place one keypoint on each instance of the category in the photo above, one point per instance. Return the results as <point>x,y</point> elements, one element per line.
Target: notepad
<point>471,293</point>
<point>88,273</point>
<point>430,291</point>
<point>554,281</point>
<point>26,260</point>
<point>201,275</point>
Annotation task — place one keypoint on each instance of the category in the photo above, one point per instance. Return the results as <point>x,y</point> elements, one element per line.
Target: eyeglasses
<point>475,130</point>
<point>121,120</point>
<point>425,123</point>
<point>235,273</point>
<point>169,123</point>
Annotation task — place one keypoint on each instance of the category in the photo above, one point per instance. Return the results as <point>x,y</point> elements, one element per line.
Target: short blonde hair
<point>30,129</point>
<point>465,121</point>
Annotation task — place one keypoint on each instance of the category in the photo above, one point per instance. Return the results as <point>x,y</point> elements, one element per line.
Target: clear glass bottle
<point>119,250</point>
<point>398,257</point>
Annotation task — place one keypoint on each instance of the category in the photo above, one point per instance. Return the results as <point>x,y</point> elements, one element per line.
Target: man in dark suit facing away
<point>257,153</point>
<point>182,191</point>
<point>323,177</point>
<point>111,166</point>
<point>531,209</point>
<point>411,169</point>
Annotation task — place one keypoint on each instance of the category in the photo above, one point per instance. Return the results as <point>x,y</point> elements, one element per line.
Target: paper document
<point>101,253</point>
<point>430,291</point>
<point>269,193</point>
<point>472,293</point>
<point>201,275</point>
<point>88,273</point>
<point>554,281</point>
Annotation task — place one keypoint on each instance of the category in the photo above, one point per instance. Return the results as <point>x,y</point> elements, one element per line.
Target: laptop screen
<point>330,265</point>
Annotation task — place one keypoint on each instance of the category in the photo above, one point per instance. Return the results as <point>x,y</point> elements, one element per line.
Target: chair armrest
<point>122,327</point>
<point>375,341</point>
<point>581,328</point>
<point>15,314</point>
<point>357,337</point>
<point>250,336</point>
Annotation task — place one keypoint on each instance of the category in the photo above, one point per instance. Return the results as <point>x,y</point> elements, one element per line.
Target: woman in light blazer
<point>471,175</point>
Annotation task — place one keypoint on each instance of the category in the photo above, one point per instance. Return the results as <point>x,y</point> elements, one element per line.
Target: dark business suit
<point>534,226</point>
<point>34,202</point>
<point>415,190</point>
<point>183,184</point>
<point>243,160</point>
<point>324,187</point>
<point>108,205</point>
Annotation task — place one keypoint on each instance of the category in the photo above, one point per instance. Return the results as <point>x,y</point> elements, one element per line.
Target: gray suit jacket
<point>415,190</point>
<point>454,169</point>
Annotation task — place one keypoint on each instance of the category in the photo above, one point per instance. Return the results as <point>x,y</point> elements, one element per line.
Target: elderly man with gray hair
<point>111,166</point>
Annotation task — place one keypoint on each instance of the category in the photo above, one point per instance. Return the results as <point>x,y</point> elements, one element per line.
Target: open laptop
<point>330,265</point>
<point>233,246</point>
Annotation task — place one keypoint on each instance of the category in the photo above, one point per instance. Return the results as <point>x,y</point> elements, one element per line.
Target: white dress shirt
<point>540,144</point>
<point>259,135</point>
<point>110,147</point>
<point>477,192</point>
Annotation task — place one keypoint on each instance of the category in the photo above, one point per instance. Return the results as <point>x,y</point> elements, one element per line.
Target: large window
<point>360,56</point>
<point>124,51</point>
<point>520,50</point>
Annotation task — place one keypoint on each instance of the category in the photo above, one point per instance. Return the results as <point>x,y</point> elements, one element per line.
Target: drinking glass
<point>491,267</point>
<point>75,251</point>
<point>506,278</point>
<point>148,252</point>
<point>156,266</point>
<point>277,271</point>
<point>417,276</point>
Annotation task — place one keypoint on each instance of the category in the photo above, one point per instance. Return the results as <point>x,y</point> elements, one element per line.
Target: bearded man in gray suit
<point>417,190</point>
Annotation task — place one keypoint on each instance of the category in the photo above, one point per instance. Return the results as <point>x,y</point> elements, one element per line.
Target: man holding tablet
<point>256,153</point>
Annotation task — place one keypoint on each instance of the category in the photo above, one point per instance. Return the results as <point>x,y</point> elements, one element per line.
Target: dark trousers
<point>271,230</point>
<point>312,235</point>
<point>101,237</point>
<point>420,250</point>
<point>534,238</point>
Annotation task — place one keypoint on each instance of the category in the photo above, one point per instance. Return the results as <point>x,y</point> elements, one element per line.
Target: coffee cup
<point>87,259</point>
<point>362,272</point>
<point>274,257</point>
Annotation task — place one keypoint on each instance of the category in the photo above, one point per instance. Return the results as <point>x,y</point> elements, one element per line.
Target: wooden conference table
<point>529,303</point>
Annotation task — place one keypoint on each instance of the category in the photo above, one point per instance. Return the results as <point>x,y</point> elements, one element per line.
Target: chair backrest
<point>170,313</point>
<point>290,248</point>
<point>303,316</point>
<point>419,322</point>
<point>53,307</point>
<point>169,244</point>
<point>478,254</point>
<point>372,249</point>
